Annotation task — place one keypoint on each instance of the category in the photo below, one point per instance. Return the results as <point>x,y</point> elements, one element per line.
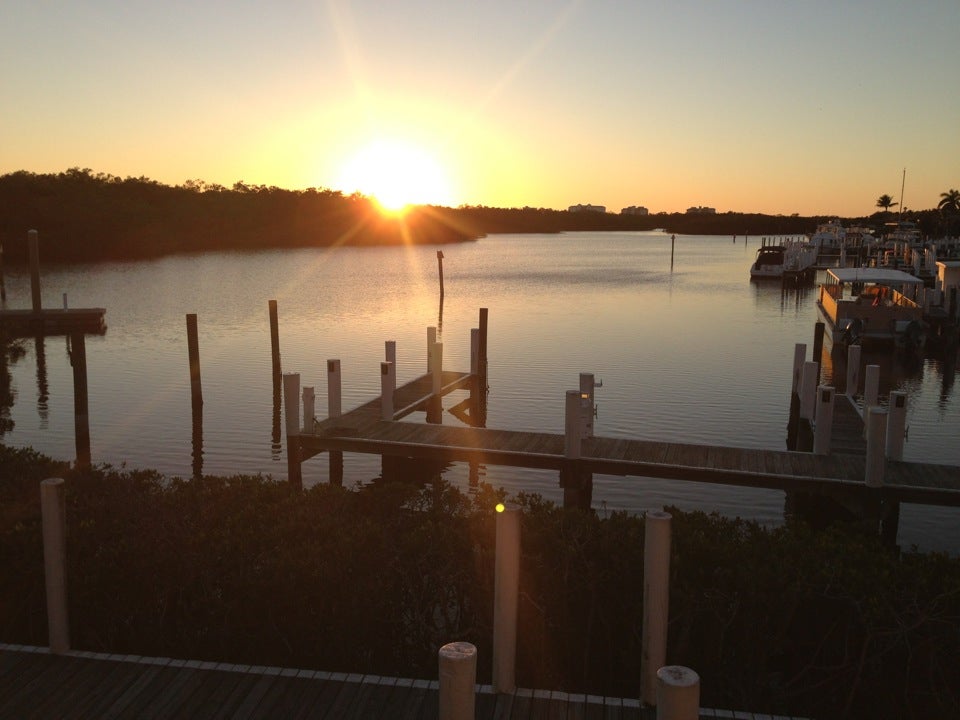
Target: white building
<point>635,210</point>
<point>587,208</point>
<point>701,210</point>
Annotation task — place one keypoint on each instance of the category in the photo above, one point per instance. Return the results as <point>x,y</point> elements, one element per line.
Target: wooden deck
<point>362,431</point>
<point>27,323</point>
<point>37,684</point>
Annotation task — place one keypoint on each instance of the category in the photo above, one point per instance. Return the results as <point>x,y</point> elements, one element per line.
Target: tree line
<point>84,216</point>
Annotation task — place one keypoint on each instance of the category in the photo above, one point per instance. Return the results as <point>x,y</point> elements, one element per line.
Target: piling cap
<point>678,676</point>
<point>459,650</point>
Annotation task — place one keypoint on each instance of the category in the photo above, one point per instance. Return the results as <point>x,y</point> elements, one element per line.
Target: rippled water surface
<point>688,349</point>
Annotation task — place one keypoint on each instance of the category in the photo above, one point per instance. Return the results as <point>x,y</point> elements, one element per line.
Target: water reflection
<point>197,445</point>
<point>43,391</point>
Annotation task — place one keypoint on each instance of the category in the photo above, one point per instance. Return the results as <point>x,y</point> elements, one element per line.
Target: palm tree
<point>886,202</point>
<point>949,202</point>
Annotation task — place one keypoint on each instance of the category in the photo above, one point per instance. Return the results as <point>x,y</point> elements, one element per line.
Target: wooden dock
<point>362,431</point>
<point>37,684</point>
<point>28,323</point>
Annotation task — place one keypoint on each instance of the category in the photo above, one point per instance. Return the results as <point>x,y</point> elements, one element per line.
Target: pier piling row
<point>839,468</point>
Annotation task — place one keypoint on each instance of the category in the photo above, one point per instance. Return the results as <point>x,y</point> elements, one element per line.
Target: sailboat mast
<point>903,182</point>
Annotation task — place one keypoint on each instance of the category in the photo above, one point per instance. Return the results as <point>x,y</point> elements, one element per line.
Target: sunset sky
<point>810,107</point>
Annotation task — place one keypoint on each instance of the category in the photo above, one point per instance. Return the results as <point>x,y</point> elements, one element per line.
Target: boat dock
<point>379,427</point>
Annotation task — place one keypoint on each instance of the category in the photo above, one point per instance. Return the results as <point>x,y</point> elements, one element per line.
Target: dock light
<point>501,507</point>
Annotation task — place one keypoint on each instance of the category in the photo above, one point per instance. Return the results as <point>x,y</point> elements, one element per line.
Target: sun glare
<point>396,175</point>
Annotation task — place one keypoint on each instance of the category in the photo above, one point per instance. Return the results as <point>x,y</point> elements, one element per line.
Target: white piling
<point>458,680</point>
<point>871,385</point>
<point>808,389</point>
<point>291,402</point>
<point>824,426</point>
<point>64,301</point>
<point>656,596</point>
<point>334,389</point>
<point>571,443</point>
<point>853,370</point>
<point>678,693</point>
<point>876,447</point>
<point>587,405</point>
<point>53,519</point>
<point>431,341</point>
<point>506,594</point>
<point>388,383</point>
<point>474,351</point>
<point>390,351</point>
<point>896,424</point>
<point>799,354</point>
<point>309,409</point>
<point>436,371</point>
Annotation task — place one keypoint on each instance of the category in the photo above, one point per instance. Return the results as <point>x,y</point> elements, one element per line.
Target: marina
<point>608,303</point>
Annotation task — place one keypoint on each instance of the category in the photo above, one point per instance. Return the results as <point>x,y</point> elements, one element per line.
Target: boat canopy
<point>877,276</point>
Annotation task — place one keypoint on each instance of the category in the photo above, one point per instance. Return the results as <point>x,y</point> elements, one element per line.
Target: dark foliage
<point>786,620</point>
<point>84,216</point>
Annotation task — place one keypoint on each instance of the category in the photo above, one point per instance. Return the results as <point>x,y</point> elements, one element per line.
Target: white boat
<point>828,237</point>
<point>871,306</point>
<point>776,262</point>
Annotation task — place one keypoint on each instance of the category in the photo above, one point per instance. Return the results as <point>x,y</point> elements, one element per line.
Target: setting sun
<point>396,175</point>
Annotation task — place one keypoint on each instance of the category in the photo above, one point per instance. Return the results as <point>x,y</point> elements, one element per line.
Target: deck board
<point>361,430</point>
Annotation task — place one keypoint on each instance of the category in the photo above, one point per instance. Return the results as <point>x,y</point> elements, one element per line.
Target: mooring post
<point>824,415</point>
<point>506,594</point>
<point>291,414</point>
<point>587,390</point>
<point>818,329</point>
<point>388,383</point>
<point>808,389</point>
<point>871,386</point>
<point>678,693</point>
<point>853,370</point>
<point>458,681</point>
<point>193,351</point>
<point>274,337</point>
<point>33,247</point>
<point>656,597</point>
<point>896,424</point>
<point>390,351</point>
<point>474,351</point>
<point>53,520</point>
<point>309,409</point>
<point>431,341</point>
<point>876,447</point>
<point>436,369</point>
<point>440,267</point>
<point>799,357</point>
<point>572,435</point>
<point>81,410</point>
<point>482,352</point>
<point>334,391</point>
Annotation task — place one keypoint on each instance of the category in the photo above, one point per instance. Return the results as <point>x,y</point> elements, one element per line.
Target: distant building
<point>587,208</point>
<point>635,210</point>
<point>700,210</point>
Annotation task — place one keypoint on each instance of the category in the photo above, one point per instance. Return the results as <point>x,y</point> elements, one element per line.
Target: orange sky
<point>813,107</point>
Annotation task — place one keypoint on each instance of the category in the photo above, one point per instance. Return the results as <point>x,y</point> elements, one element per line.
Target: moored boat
<point>871,306</point>
<point>785,260</point>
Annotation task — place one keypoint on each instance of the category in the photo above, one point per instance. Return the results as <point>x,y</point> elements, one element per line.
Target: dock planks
<point>362,431</point>
<point>37,684</point>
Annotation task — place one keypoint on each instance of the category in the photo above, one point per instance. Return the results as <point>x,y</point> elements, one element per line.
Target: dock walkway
<point>362,431</point>
<point>37,684</point>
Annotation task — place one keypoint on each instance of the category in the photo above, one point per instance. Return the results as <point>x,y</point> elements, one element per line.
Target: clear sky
<point>806,106</point>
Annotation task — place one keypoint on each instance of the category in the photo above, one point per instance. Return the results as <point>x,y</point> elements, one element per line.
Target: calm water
<point>692,352</point>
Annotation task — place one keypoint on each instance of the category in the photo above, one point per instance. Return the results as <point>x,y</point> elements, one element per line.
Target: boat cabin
<point>871,304</point>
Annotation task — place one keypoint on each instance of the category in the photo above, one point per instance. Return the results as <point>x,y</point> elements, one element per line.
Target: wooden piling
<point>458,680</point>
<point>274,338</point>
<point>291,412</point>
<point>33,247</point>
<point>440,267</point>
<point>193,350</point>
<point>818,343</point>
<point>506,597</point>
<point>53,518</point>
<point>656,595</point>
<point>482,345</point>
<point>81,416</point>
<point>678,693</point>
